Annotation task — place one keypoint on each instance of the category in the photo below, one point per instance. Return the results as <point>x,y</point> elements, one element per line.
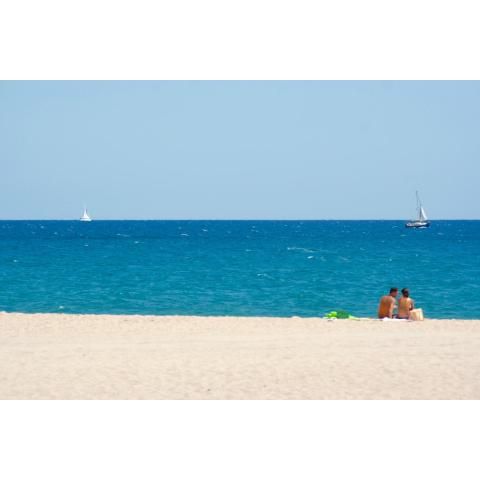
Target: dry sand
<point>48,356</point>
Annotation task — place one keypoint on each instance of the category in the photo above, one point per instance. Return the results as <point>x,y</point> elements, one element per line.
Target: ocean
<point>251,268</point>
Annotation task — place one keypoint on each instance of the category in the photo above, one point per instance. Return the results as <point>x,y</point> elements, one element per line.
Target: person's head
<point>405,292</point>
<point>394,291</point>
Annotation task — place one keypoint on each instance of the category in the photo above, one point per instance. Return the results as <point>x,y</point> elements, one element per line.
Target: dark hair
<point>393,289</point>
<point>405,292</point>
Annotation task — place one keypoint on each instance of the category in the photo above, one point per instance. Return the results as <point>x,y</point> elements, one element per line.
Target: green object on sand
<point>339,314</point>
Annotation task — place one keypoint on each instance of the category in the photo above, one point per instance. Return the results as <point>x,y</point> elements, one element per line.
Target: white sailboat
<point>422,221</point>
<point>85,217</point>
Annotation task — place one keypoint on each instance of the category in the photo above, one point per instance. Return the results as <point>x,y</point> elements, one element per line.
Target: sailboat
<point>85,217</point>
<point>422,221</point>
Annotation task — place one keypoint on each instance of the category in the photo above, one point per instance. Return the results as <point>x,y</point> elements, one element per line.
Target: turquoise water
<point>272,268</point>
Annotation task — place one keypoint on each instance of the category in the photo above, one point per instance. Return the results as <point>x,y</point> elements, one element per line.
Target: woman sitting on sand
<point>405,305</point>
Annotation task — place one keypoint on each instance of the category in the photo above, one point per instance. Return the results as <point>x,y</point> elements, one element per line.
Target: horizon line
<point>233,219</point>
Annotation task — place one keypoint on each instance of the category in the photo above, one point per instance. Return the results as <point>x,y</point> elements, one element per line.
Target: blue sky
<point>239,150</point>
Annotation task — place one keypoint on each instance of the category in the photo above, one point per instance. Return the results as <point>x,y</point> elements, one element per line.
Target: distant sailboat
<point>422,221</point>
<point>85,217</point>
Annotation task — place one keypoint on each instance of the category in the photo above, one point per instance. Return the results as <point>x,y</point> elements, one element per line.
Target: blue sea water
<point>272,268</point>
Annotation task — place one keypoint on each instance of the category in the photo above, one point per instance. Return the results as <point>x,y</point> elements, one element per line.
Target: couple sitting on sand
<point>406,307</point>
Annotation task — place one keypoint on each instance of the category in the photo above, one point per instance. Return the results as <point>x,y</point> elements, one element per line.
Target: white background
<point>239,40</point>
<point>247,39</point>
<point>239,440</point>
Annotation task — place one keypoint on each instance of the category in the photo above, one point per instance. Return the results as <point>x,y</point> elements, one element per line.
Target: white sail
<point>85,217</point>
<point>423,215</point>
<point>422,221</point>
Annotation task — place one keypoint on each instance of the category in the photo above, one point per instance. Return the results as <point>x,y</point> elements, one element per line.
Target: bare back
<point>387,304</point>
<point>405,305</point>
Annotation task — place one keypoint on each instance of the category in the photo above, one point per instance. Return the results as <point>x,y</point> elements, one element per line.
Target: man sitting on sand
<point>387,304</point>
<point>405,305</point>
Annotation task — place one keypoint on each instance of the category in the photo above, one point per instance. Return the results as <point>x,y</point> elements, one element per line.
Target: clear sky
<point>239,150</point>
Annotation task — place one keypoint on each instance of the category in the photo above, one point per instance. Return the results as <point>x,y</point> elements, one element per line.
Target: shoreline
<point>195,316</point>
<point>92,356</point>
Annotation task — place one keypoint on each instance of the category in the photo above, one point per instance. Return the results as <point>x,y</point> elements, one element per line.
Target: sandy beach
<point>55,356</point>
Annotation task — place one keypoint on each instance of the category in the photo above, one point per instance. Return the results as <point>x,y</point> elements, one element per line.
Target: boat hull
<point>417,224</point>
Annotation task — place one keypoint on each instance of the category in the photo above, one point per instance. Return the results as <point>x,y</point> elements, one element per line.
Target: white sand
<point>145,357</point>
